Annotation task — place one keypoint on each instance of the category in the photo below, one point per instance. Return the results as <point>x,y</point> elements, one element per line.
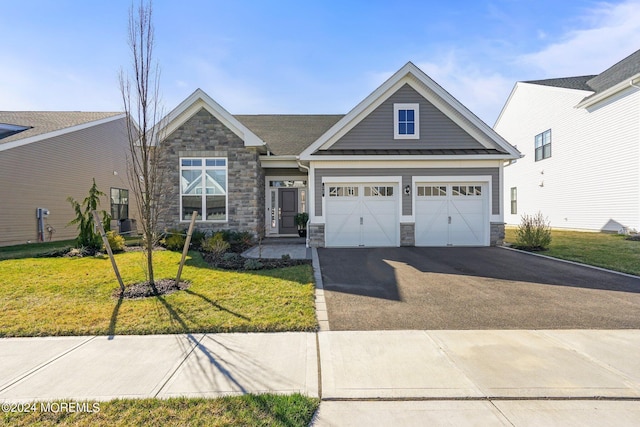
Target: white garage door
<point>452,214</point>
<point>361,214</point>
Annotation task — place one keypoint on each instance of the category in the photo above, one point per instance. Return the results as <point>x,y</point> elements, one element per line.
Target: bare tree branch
<point>141,100</point>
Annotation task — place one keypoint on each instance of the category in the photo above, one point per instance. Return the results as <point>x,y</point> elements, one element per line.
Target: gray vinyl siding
<point>44,173</point>
<point>437,131</point>
<point>407,175</point>
<point>284,172</point>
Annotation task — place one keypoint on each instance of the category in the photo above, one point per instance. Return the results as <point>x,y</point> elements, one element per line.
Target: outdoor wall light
<point>407,189</point>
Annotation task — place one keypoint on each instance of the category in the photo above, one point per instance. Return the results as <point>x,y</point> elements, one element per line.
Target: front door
<point>287,210</point>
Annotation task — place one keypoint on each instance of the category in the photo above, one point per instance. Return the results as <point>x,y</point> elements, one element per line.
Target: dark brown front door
<point>288,208</point>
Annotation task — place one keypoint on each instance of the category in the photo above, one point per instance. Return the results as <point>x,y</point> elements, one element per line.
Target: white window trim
<point>204,168</point>
<point>416,108</point>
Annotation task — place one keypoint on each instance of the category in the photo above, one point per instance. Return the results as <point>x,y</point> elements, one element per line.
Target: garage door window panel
<point>378,191</point>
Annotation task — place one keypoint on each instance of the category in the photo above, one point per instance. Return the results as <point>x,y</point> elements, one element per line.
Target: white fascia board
<point>199,99</point>
<point>279,161</point>
<point>506,104</point>
<point>415,78</point>
<point>609,92</point>
<point>36,138</point>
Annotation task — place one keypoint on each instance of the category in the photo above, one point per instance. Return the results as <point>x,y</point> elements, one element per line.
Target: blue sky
<point>307,57</point>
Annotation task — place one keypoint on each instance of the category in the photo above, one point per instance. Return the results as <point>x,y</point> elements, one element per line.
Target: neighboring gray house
<point>408,166</point>
<point>581,140</point>
<point>46,157</point>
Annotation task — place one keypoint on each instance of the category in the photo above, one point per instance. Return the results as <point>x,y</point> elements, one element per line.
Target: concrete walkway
<point>587,377</point>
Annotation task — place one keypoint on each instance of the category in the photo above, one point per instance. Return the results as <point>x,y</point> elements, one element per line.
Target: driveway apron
<point>471,288</point>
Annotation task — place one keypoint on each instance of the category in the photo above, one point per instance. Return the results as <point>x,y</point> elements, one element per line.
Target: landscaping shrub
<point>116,241</point>
<point>87,237</point>
<point>215,245</point>
<point>239,241</point>
<point>197,238</point>
<point>533,233</point>
<point>252,264</point>
<point>174,240</point>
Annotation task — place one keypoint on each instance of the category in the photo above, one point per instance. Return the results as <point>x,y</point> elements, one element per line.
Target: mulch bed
<point>143,290</point>
<point>239,263</point>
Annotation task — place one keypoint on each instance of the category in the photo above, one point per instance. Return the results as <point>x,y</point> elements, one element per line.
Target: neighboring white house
<point>580,137</point>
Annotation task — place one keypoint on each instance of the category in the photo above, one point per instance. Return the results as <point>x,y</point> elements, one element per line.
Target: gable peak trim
<point>199,100</point>
<point>413,76</point>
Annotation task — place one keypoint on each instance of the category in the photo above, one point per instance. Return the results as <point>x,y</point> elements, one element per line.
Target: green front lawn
<point>73,296</point>
<point>247,410</point>
<point>604,250</point>
<point>34,249</point>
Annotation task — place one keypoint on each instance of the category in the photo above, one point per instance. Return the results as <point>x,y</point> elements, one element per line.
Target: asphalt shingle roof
<point>610,77</point>
<point>42,122</point>
<point>621,71</point>
<point>579,83</point>
<point>288,134</point>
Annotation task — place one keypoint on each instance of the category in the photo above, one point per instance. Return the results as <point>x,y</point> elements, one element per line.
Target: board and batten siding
<point>592,179</point>
<point>375,131</point>
<point>43,174</point>
<point>407,175</point>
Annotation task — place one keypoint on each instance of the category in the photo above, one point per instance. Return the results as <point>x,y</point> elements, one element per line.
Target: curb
<point>321,305</point>
<point>633,276</point>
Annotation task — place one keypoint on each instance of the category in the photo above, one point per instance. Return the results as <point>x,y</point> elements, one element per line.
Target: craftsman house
<point>407,166</point>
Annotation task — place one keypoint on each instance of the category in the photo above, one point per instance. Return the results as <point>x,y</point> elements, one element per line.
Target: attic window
<point>406,121</point>
<point>7,130</point>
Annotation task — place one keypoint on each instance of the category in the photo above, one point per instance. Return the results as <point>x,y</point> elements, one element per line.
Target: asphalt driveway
<point>471,288</point>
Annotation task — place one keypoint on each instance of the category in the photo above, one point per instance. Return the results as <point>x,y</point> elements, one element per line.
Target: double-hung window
<point>119,204</point>
<point>203,189</point>
<point>514,200</point>
<point>543,145</point>
<point>406,121</point>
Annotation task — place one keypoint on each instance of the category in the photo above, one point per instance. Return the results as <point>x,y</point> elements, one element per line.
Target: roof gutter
<point>594,99</point>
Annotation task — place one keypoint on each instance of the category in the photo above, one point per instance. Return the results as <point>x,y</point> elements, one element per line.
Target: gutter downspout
<point>301,166</point>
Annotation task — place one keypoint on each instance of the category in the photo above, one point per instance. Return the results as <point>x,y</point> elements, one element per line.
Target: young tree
<point>87,236</point>
<point>141,98</point>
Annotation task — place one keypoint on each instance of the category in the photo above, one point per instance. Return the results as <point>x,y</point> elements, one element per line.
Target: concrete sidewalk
<point>104,368</point>
<point>573,377</point>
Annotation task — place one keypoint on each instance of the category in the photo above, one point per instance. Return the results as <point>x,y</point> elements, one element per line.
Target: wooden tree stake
<point>103,234</point>
<point>187,242</point>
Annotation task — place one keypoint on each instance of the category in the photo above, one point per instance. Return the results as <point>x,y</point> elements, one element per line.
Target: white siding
<point>592,179</point>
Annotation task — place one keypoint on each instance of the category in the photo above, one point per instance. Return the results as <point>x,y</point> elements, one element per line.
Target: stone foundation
<point>316,235</point>
<point>407,234</point>
<point>497,234</point>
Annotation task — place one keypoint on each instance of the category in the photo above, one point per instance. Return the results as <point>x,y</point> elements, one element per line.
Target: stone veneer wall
<point>407,234</point>
<point>205,136</point>
<point>497,234</point>
<point>316,235</point>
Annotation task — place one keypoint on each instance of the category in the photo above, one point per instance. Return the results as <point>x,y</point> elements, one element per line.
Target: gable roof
<point>432,92</point>
<point>603,85</point>
<point>623,70</point>
<point>199,100</point>
<point>577,83</point>
<point>288,134</point>
<point>47,124</point>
